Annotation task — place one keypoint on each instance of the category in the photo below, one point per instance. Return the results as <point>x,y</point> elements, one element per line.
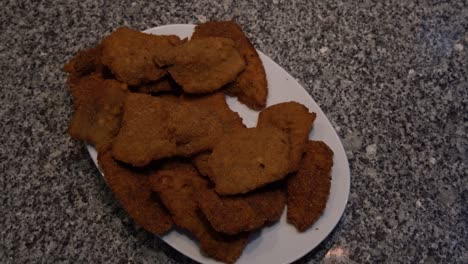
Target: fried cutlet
<point>133,190</point>
<point>215,104</point>
<point>200,161</point>
<point>98,108</point>
<point>309,188</point>
<point>229,215</point>
<point>163,85</point>
<point>83,63</point>
<point>204,65</point>
<point>249,158</point>
<point>195,129</point>
<point>178,185</point>
<point>294,119</point>
<point>250,86</point>
<point>269,201</point>
<point>158,127</point>
<point>145,133</point>
<point>131,55</point>
<point>247,212</point>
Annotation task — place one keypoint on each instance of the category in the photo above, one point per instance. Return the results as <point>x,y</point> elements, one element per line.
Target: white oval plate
<point>280,243</point>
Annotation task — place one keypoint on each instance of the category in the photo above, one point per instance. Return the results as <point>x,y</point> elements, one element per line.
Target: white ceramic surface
<point>280,243</point>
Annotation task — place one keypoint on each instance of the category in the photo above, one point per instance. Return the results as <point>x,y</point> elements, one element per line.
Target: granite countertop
<point>392,78</point>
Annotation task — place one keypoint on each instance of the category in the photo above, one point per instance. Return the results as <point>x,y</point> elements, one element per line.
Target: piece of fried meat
<point>163,85</point>
<point>178,185</point>
<point>309,188</point>
<point>294,119</point>
<point>204,65</point>
<point>158,127</point>
<point>195,129</point>
<point>133,190</point>
<point>216,104</point>
<point>247,212</point>
<point>131,55</point>
<point>250,86</point>
<point>248,159</point>
<point>98,107</point>
<point>145,133</point>
<point>269,201</point>
<point>83,63</point>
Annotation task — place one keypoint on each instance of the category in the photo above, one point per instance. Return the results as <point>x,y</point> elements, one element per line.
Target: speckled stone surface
<point>391,77</point>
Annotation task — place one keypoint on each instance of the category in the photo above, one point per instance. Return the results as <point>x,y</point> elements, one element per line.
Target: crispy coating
<point>145,134</point>
<point>204,65</point>
<point>98,108</point>
<point>248,159</point>
<point>195,129</point>
<point>165,84</point>
<point>308,190</point>
<point>85,62</point>
<point>229,215</point>
<point>220,246</point>
<point>133,190</point>
<point>158,127</point>
<point>132,55</point>
<point>178,185</point>
<point>215,104</point>
<point>294,119</point>
<point>269,201</point>
<point>200,161</point>
<point>251,85</point>
<point>235,214</point>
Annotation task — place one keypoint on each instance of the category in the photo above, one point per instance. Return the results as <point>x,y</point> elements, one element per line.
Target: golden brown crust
<point>235,214</point>
<point>251,85</point>
<point>230,215</point>
<point>145,134</point>
<point>158,127</point>
<point>131,55</point>
<point>294,119</point>
<point>200,161</point>
<point>165,84</point>
<point>308,190</point>
<point>248,159</point>
<point>196,129</point>
<point>84,63</point>
<point>178,185</point>
<point>269,201</point>
<point>216,104</point>
<point>222,247</point>
<point>98,108</point>
<point>204,65</point>
<point>133,191</point>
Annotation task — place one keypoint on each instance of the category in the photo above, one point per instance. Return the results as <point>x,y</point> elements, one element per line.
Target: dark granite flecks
<point>391,77</point>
